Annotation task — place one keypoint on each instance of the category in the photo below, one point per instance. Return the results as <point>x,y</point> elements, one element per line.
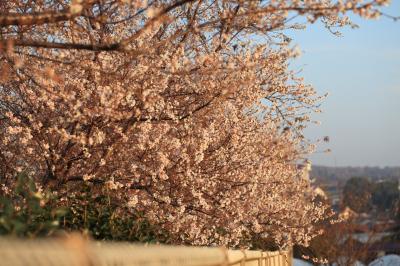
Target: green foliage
<point>27,212</point>
<point>361,195</point>
<point>386,194</point>
<point>100,216</point>
<point>262,243</point>
<point>357,194</point>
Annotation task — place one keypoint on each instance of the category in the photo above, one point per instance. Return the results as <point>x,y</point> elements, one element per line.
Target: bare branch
<point>17,19</point>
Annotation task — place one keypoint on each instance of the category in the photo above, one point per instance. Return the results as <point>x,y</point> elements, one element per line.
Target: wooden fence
<point>74,251</point>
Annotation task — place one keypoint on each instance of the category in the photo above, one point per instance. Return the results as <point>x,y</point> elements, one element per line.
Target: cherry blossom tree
<point>186,107</point>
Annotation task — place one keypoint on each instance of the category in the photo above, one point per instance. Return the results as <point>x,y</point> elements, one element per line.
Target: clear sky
<point>361,72</point>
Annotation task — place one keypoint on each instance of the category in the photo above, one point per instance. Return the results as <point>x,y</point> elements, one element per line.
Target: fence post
<point>290,254</point>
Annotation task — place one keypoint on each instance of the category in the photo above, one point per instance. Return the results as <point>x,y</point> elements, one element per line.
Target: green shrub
<point>104,218</point>
<point>26,212</point>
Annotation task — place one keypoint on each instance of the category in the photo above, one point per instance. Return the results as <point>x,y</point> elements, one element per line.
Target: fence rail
<point>74,251</point>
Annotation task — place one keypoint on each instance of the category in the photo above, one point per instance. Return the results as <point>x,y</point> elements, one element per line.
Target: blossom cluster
<point>187,108</point>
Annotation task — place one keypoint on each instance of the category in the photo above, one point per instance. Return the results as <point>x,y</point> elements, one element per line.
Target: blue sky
<point>361,72</point>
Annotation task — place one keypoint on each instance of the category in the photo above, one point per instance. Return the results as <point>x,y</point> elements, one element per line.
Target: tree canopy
<point>186,108</point>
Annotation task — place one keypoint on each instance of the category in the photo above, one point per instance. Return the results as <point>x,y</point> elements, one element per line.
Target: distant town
<point>369,199</point>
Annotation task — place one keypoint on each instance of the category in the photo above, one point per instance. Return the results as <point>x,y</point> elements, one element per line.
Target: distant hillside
<point>332,173</point>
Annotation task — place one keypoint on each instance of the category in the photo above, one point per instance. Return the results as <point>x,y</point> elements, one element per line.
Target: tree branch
<point>17,19</point>
<point>60,45</point>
